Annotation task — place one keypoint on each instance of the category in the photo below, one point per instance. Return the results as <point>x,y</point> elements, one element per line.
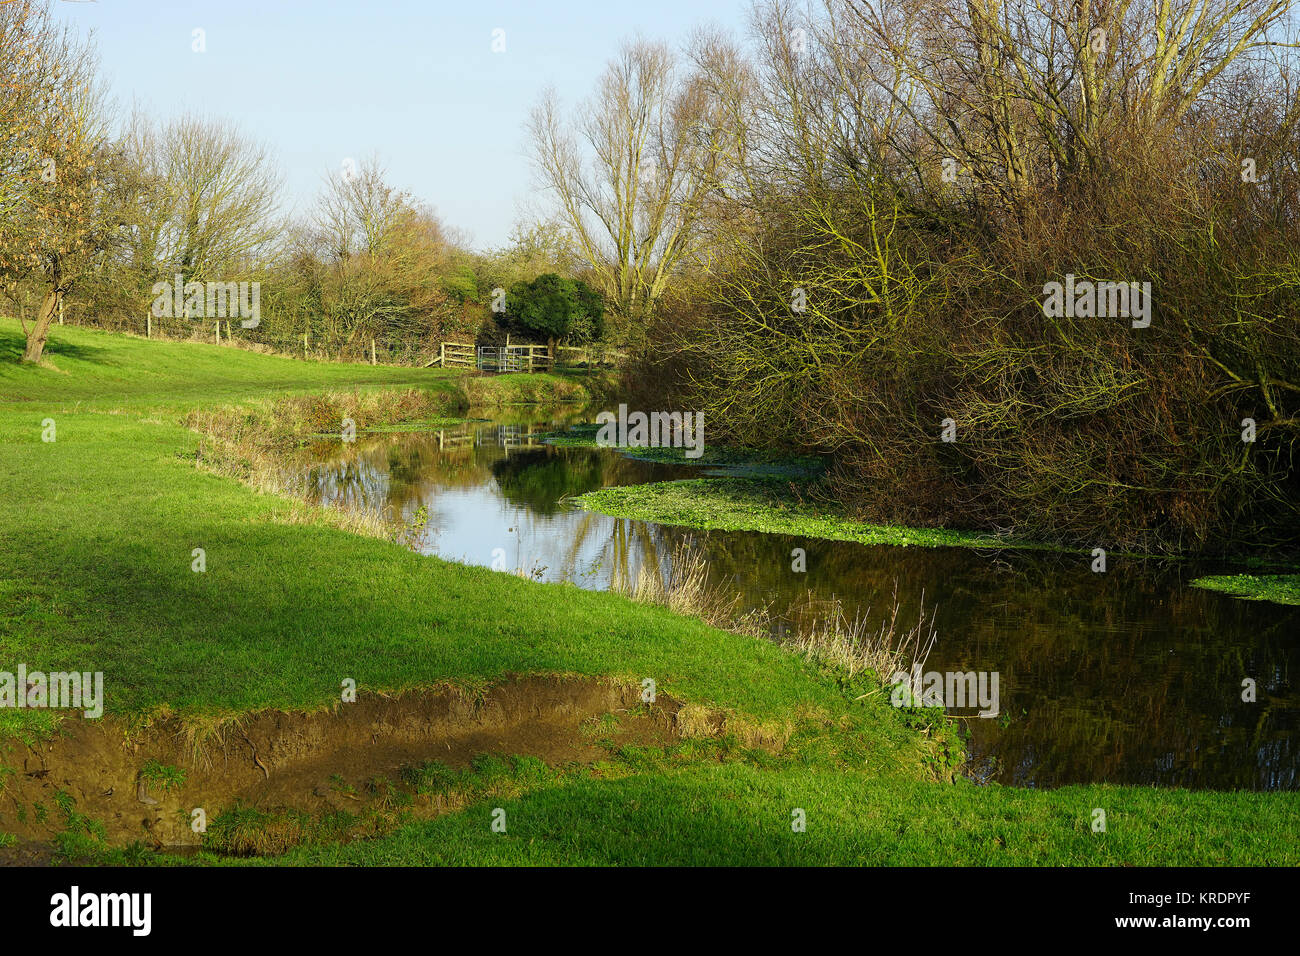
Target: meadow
<point>97,572</point>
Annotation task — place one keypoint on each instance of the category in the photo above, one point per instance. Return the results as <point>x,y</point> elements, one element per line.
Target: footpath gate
<point>492,358</point>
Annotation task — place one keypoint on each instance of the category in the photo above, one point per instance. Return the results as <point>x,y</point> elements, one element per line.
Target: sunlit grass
<point>100,528</point>
<point>1278,588</point>
<point>733,814</point>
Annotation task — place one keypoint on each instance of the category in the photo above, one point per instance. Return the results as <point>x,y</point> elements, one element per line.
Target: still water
<point>1130,676</point>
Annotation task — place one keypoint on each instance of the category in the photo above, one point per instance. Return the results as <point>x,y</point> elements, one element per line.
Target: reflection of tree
<point>395,472</point>
<point>629,538</point>
<point>539,479</point>
<point>630,546</point>
<point>1122,677</point>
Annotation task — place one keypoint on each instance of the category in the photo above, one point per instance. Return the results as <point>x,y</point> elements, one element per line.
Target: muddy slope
<point>313,762</point>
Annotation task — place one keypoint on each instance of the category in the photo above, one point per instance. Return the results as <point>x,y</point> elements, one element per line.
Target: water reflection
<point>1125,677</point>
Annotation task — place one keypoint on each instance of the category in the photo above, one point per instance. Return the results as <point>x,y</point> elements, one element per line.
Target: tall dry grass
<point>822,631</point>
<point>854,645</point>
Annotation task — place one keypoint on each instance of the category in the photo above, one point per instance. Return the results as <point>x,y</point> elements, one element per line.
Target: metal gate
<point>514,358</point>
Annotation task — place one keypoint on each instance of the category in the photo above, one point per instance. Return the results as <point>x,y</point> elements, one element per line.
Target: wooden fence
<point>508,358</point>
<point>455,355</point>
<point>521,358</point>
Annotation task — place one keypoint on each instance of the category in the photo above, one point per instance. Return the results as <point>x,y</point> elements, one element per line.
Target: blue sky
<point>416,82</point>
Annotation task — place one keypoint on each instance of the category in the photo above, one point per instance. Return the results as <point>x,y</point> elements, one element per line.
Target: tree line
<point>843,230</point>
<point>846,230</point>
<point>99,212</point>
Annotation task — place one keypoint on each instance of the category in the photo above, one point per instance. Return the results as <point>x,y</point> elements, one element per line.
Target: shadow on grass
<point>12,346</point>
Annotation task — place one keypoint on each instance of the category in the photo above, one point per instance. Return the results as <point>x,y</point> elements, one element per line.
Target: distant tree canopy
<point>553,307</point>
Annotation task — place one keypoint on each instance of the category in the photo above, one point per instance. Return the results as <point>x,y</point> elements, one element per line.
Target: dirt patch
<point>143,786</point>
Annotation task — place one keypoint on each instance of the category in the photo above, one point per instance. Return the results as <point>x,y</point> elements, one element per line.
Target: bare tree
<point>633,173</point>
<point>1023,91</point>
<point>218,191</point>
<point>379,248</point>
<point>359,211</point>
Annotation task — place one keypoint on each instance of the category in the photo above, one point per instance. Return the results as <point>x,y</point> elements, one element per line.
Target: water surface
<point>1131,676</point>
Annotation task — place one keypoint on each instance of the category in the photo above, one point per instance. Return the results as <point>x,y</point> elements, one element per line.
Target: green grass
<point>737,814</point>
<point>753,504</point>
<point>99,370</point>
<point>88,368</point>
<point>740,815</point>
<point>518,388</point>
<point>95,574</point>
<point>163,776</point>
<point>1278,588</point>
<point>99,527</point>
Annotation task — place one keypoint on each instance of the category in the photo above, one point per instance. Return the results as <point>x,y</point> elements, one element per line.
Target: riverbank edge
<point>771,506</point>
<point>116,470</point>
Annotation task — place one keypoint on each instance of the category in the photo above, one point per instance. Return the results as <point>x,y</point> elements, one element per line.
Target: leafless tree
<point>633,172</point>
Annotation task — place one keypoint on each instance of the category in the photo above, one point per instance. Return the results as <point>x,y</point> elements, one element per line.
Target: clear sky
<point>415,81</point>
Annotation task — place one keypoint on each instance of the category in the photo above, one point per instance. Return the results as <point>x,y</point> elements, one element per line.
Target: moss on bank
<point>749,504</point>
<point>1278,588</point>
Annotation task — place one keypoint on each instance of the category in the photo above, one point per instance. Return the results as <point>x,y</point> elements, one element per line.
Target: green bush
<point>553,307</point>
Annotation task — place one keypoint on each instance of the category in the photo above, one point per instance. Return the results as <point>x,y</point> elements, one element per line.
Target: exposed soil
<point>314,762</point>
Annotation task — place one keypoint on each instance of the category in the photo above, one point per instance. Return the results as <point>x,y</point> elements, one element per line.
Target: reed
<point>820,630</point>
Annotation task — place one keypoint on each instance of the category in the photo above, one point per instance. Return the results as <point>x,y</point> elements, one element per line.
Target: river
<point>1131,676</point>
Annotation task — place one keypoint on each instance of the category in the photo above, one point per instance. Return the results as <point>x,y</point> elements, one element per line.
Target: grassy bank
<point>707,804</point>
<point>87,368</point>
<point>97,572</point>
<point>737,815</point>
<point>97,560</point>
<point>518,388</point>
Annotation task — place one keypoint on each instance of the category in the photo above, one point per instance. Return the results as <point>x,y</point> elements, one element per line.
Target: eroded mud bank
<point>144,785</point>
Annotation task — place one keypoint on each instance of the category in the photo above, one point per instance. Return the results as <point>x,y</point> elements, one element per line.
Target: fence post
<point>148,324</point>
<point>218,331</point>
<point>373,360</point>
